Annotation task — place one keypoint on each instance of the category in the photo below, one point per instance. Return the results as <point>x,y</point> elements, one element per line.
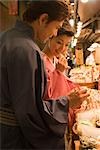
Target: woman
<point>58,83</point>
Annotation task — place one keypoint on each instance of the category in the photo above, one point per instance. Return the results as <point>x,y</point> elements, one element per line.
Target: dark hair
<point>56,10</point>
<point>63,31</point>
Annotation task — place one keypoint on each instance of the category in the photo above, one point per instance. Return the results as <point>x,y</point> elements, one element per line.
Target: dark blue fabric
<point>41,125</point>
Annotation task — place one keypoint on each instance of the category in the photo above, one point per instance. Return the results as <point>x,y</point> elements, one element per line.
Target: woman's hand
<point>77,96</point>
<point>62,63</point>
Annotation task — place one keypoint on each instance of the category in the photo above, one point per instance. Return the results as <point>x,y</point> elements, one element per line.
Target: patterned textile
<point>13,7</point>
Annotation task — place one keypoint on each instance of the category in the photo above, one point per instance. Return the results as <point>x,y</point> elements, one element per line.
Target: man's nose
<point>55,33</point>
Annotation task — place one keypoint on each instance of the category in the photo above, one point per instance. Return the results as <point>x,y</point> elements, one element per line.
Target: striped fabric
<point>7,117</point>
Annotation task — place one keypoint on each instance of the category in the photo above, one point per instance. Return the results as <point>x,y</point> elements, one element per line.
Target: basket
<point>92,85</point>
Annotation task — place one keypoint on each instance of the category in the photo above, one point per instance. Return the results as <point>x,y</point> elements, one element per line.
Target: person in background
<point>71,61</point>
<point>90,60</point>
<point>27,121</point>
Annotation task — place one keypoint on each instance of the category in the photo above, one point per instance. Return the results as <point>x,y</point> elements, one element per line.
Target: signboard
<point>79,57</point>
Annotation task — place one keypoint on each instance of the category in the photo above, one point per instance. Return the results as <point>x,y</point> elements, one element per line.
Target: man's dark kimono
<point>26,120</point>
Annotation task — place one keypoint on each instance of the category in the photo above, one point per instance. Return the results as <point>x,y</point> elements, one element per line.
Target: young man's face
<point>47,30</point>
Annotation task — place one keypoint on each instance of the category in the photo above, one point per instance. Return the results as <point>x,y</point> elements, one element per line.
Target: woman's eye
<point>67,45</point>
<point>59,42</point>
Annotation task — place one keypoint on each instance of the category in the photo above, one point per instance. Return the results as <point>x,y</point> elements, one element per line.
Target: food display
<point>94,94</point>
<point>87,124</point>
<point>88,128</point>
<point>84,74</point>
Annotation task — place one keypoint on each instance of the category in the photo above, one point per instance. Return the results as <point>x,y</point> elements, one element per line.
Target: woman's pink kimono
<point>57,83</point>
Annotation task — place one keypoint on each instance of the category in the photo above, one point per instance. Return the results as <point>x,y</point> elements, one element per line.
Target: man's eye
<point>58,28</point>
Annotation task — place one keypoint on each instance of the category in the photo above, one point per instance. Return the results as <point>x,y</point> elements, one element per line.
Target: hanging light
<point>84,1</point>
<point>79,28</point>
<point>71,21</point>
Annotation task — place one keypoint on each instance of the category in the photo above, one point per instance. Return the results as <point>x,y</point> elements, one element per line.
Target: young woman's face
<point>59,44</point>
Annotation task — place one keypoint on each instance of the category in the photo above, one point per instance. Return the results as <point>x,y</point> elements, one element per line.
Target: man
<point>28,122</point>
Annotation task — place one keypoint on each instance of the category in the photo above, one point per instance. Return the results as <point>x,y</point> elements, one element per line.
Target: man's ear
<point>43,19</point>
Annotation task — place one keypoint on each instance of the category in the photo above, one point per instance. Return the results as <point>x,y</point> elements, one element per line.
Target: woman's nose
<point>63,47</point>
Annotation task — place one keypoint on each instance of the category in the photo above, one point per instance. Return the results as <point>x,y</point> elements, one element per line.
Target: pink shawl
<point>57,83</point>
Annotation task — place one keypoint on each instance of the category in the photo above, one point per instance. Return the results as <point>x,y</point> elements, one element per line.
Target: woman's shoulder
<point>47,62</point>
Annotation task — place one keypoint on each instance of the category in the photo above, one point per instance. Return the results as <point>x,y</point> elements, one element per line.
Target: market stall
<point>84,53</point>
<point>86,71</point>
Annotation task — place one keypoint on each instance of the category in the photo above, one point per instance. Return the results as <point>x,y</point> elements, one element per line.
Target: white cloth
<point>90,60</point>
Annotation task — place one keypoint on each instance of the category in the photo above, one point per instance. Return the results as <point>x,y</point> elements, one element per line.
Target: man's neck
<point>46,50</point>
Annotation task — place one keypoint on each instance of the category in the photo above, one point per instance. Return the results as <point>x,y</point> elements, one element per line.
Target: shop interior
<point>83,56</point>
